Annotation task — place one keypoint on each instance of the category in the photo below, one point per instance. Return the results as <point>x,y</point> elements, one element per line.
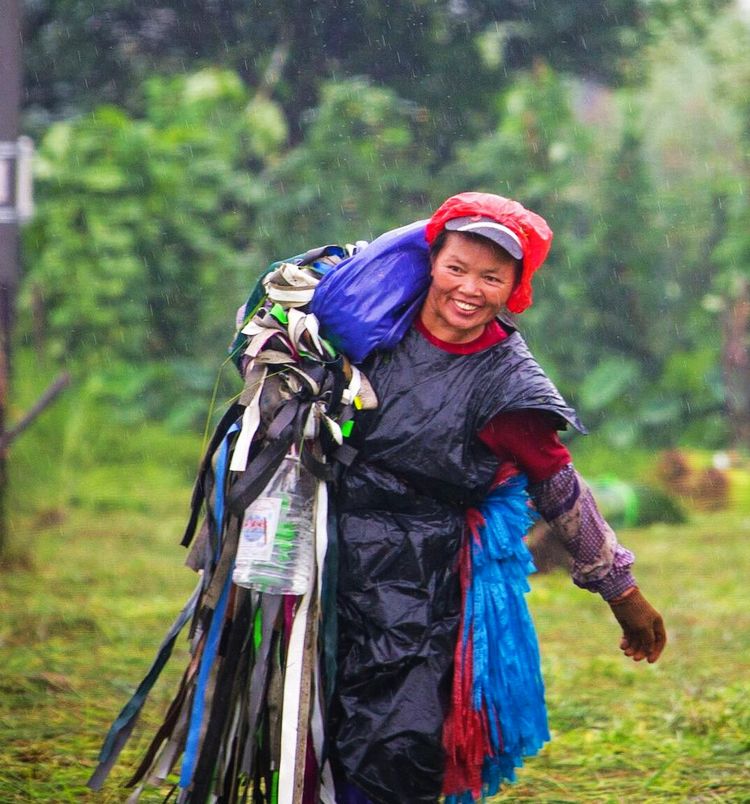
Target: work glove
<point>643,634</point>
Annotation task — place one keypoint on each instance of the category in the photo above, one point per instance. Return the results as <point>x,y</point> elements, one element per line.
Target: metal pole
<point>10,98</point>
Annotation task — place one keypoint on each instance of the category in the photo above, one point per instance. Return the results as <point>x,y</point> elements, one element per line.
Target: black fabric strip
<point>227,420</point>
<point>345,454</point>
<point>336,367</point>
<point>255,478</point>
<point>237,645</point>
<point>328,635</point>
<point>164,733</point>
<point>258,683</point>
<point>284,416</point>
<point>315,466</point>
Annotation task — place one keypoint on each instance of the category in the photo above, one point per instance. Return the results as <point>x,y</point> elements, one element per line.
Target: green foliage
<point>617,317</point>
<point>361,169</point>
<point>607,381</point>
<point>92,447</point>
<point>447,57</point>
<point>140,246</point>
<point>153,224</point>
<point>141,222</point>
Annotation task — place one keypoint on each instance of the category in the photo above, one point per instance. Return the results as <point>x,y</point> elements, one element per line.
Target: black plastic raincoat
<point>402,510</point>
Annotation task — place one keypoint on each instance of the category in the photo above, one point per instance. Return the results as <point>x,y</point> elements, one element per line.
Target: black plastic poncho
<point>401,509</point>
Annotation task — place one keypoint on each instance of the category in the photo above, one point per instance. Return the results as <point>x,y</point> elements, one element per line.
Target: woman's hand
<point>643,634</point>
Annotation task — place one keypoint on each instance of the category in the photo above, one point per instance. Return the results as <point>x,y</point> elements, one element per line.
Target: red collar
<point>493,333</point>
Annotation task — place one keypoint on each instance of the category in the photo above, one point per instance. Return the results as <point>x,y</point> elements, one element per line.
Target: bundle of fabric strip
<point>248,717</point>
<point>248,720</point>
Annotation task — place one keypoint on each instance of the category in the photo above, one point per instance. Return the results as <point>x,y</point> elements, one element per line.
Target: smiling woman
<point>438,688</point>
<point>472,279</point>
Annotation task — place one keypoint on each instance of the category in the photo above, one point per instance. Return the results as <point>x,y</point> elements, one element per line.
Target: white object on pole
<point>16,180</point>
<point>24,179</point>
<point>7,155</point>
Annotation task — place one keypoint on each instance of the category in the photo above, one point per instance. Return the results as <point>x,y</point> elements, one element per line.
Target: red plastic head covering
<point>531,229</point>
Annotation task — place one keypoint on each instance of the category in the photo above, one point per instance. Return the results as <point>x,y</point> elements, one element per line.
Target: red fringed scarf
<point>466,737</point>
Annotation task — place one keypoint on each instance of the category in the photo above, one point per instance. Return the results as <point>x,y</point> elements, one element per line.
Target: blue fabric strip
<point>199,701</point>
<point>222,461</point>
<point>217,621</point>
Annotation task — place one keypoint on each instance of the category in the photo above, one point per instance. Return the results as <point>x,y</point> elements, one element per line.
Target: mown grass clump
<point>80,628</point>
<point>93,577</point>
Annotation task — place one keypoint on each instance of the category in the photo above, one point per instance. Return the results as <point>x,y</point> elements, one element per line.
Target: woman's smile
<point>469,308</point>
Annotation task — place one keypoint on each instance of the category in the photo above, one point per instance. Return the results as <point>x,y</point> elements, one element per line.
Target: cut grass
<point>80,629</point>
<point>82,619</point>
<point>678,730</point>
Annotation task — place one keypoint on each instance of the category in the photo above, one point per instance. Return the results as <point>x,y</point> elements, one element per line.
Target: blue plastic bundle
<point>507,675</point>
<point>370,300</point>
<point>507,682</point>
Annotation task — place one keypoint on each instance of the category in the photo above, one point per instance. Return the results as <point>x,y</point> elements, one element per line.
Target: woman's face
<point>471,281</point>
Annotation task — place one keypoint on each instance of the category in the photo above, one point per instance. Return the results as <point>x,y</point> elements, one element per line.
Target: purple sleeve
<point>600,563</point>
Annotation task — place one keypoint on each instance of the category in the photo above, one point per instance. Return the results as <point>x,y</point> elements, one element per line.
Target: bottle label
<point>258,530</point>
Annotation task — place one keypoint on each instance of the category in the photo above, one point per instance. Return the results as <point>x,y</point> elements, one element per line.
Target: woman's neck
<point>493,333</point>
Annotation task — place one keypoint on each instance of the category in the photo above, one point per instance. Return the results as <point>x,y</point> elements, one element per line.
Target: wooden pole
<point>10,97</point>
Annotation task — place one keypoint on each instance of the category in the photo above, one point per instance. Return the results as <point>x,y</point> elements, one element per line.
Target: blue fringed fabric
<point>499,649</point>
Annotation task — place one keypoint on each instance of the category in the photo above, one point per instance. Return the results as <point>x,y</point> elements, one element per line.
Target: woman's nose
<point>470,285</point>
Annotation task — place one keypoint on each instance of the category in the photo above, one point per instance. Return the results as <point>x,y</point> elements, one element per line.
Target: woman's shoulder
<point>514,380</point>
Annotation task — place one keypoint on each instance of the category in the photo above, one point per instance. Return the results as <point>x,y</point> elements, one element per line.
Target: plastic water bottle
<point>275,548</point>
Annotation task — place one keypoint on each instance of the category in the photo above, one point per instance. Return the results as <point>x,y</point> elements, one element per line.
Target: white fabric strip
<point>290,295</point>
<point>320,534</point>
<point>299,324</point>
<point>296,326</point>
<point>333,429</point>
<point>135,796</point>
<point>258,341</point>
<point>313,327</point>
<point>297,276</point>
<point>292,691</point>
<point>251,328</point>
<point>311,423</point>
<point>250,422</point>
<point>291,701</point>
<point>354,385</point>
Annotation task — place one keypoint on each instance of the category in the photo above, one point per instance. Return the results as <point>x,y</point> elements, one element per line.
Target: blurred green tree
<point>541,153</point>
<point>446,56</point>
<point>162,214</point>
<point>141,241</point>
<point>607,318</point>
<point>361,169</point>
<point>729,45</point>
<point>695,141</point>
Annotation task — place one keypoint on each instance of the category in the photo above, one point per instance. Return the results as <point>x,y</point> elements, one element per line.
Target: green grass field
<point>95,583</point>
